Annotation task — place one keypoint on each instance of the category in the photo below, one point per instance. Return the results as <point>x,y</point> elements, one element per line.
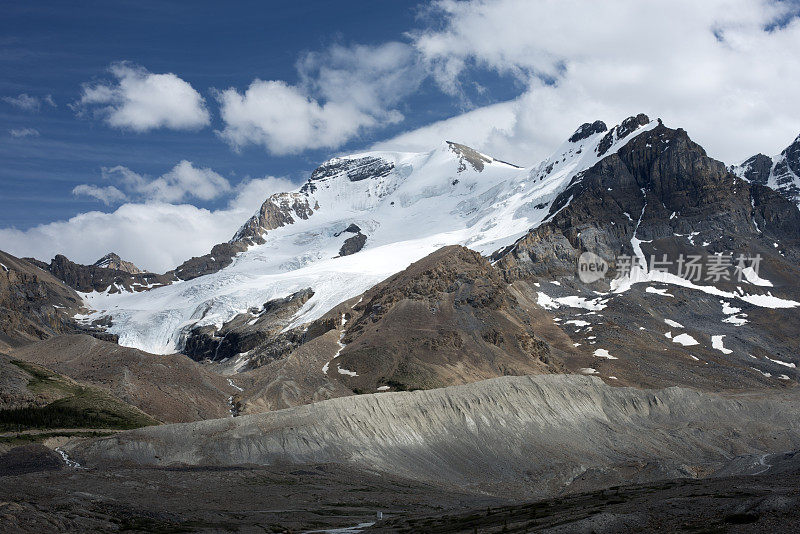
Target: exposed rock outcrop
<point>114,262</point>
<point>588,129</point>
<point>353,244</point>
<point>221,256</point>
<point>258,333</point>
<point>355,168</point>
<point>278,210</point>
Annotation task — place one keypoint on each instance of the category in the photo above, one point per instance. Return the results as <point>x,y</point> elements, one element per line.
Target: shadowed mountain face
<point>661,185</point>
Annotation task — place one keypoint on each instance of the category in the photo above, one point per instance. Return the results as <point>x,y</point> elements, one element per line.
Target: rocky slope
<point>33,304</point>
<point>171,388</point>
<point>517,435</point>
<point>36,399</point>
<point>447,319</point>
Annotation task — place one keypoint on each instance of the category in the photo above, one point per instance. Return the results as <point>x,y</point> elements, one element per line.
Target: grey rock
<point>353,244</point>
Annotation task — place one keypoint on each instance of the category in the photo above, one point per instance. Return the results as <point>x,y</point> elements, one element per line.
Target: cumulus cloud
<point>140,100</point>
<point>19,133</point>
<point>184,181</point>
<point>719,69</point>
<point>156,236</point>
<point>285,120</point>
<point>342,92</point>
<point>26,102</point>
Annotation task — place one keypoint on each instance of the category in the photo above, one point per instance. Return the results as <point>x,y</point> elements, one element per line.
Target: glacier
<point>411,205</point>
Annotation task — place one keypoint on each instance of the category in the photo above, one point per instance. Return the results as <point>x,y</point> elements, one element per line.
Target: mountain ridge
<point>781,172</point>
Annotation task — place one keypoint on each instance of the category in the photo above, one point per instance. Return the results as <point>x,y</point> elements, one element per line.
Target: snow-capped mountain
<point>357,220</point>
<point>781,172</point>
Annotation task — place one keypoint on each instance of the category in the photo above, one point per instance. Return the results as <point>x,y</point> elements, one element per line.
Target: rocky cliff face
<point>259,333</point>
<point>660,185</point>
<point>278,210</point>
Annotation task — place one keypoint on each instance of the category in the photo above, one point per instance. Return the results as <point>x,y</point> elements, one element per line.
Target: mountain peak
<point>623,130</point>
<point>476,159</point>
<point>468,155</point>
<point>781,172</point>
<point>588,129</point>
<point>113,261</point>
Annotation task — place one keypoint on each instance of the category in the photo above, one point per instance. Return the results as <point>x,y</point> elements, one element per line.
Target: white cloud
<point>182,182</point>
<point>719,68</point>
<point>142,101</point>
<point>479,128</point>
<point>27,102</point>
<point>19,133</point>
<point>156,236</point>
<point>284,120</point>
<point>107,195</point>
<point>374,78</point>
<point>342,92</point>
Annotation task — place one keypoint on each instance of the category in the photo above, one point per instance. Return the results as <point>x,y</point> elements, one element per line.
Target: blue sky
<point>154,128</point>
<point>52,48</point>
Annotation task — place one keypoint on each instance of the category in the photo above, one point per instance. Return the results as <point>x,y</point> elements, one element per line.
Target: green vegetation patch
<point>76,406</point>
